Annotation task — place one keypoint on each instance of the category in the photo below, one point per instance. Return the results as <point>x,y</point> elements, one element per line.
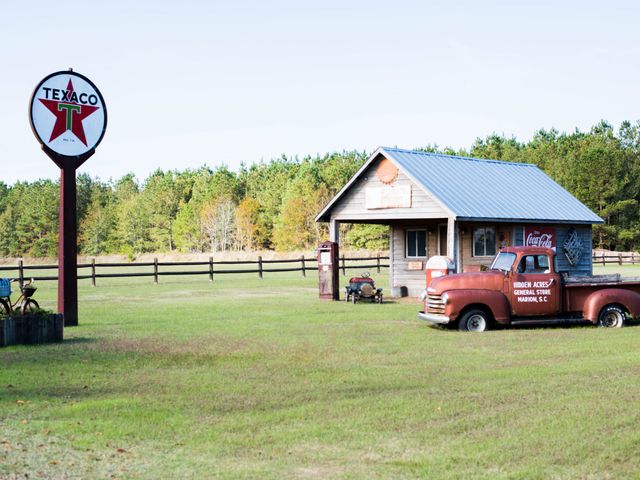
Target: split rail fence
<point>211,268</point>
<point>616,258</point>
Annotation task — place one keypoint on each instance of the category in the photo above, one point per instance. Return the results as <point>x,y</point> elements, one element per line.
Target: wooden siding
<point>400,275</point>
<point>353,207</point>
<point>466,245</point>
<point>584,266</point>
<point>414,280</point>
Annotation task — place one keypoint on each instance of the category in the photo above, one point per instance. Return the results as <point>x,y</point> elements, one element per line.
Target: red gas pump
<point>328,271</point>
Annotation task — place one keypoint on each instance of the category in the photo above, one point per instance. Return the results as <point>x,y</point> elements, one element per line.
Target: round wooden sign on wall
<point>387,171</point>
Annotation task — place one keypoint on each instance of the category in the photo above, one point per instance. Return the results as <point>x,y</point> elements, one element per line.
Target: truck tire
<point>611,316</point>
<point>474,321</point>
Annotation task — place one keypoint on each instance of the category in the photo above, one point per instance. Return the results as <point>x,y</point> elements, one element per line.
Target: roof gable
<point>478,189</point>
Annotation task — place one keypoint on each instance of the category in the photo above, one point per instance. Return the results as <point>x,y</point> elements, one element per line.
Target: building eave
<point>529,220</point>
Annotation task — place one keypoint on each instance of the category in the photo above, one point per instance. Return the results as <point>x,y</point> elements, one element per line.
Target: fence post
<point>619,259</point>
<point>304,273</point>
<point>211,269</point>
<point>20,273</point>
<point>378,259</point>
<point>603,259</point>
<point>93,272</point>
<point>344,268</point>
<point>155,271</point>
<point>260,266</point>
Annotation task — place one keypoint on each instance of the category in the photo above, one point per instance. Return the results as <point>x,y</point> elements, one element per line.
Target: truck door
<point>535,289</point>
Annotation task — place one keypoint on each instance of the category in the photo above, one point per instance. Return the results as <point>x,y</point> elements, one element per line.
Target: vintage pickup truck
<point>523,286</point>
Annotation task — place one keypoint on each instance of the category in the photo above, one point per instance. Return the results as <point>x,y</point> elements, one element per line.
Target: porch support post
<point>334,231</point>
<point>459,255</point>
<point>452,240</point>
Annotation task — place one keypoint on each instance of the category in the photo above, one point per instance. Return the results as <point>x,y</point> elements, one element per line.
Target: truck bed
<point>588,280</point>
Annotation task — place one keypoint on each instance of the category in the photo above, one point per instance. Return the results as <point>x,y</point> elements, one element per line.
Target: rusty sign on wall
<point>396,196</point>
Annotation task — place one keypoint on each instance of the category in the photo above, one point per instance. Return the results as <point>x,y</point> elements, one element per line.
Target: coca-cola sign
<point>540,237</point>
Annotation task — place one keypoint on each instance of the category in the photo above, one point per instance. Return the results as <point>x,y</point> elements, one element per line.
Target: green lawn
<point>249,378</point>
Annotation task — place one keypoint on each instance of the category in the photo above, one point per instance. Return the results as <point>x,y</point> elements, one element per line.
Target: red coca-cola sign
<point>540,237</point>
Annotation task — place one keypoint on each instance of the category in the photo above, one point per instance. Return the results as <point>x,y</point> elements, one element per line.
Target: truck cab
<point>523,285</point>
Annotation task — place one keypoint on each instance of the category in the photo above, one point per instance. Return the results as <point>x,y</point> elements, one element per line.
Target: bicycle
<point>25,303</point>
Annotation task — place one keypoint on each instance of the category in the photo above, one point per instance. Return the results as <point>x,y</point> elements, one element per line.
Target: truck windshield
<point>503,261</point>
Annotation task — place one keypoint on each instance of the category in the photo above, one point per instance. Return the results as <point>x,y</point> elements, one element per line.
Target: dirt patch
<point>403,300</point>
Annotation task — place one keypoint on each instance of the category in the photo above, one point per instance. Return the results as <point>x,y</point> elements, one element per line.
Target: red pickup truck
<point>523,286</point>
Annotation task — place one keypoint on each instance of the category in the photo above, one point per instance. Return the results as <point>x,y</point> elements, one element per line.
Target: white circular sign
<point>68,114</point>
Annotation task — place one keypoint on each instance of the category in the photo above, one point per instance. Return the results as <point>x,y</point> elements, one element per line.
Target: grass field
<point>249,378</point>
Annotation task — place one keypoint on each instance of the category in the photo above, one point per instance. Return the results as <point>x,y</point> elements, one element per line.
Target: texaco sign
<point>68,114</point>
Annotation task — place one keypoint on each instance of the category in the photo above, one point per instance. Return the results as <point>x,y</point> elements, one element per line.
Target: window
<point>534,264</point>
<point>518,236</point>
<point>416,242</point>
<point>484,242</point>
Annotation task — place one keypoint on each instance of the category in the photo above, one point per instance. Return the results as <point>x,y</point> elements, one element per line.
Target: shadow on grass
<point>79,340</point>
<point>561,325</point>
<point>538,326</point>
<point>387,301</point>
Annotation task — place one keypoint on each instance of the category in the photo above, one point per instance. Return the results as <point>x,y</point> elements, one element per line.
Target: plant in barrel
<point>24,304</point>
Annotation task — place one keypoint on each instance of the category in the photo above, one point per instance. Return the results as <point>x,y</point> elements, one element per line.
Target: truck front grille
<point>435,304</point>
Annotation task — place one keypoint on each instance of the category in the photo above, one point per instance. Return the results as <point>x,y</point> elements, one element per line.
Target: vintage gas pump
<point>438,266</point>
<point>328,271</point>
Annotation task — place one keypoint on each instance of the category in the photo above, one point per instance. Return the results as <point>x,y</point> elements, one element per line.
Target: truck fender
<point>599,299</point>
<point>495,302</point>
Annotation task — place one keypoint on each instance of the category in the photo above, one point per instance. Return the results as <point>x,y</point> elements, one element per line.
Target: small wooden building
<point>461,207</point>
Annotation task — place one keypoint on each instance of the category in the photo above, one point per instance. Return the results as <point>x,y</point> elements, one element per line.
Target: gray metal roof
<point>477,189</point>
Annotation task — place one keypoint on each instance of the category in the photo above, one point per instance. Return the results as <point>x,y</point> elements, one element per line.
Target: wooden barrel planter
<point>31,329</point>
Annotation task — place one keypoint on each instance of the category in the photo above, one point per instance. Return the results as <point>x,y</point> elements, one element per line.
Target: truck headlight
<point>445,298</point>
<point>423,295</point>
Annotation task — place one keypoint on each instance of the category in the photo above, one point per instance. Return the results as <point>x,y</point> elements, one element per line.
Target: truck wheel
<point>473,321</point>
<point>611,316</point>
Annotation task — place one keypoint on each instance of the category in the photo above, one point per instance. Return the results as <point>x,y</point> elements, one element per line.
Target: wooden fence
<point>617,258</point>
<point>209,268</point>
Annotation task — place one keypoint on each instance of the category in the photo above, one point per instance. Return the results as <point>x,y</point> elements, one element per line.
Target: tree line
<point>272,205</point>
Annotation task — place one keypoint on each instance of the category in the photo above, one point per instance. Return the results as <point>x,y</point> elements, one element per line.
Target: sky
<point>193,83</point>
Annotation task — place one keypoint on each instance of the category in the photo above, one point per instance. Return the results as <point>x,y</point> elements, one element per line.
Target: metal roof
<point>479,189</point>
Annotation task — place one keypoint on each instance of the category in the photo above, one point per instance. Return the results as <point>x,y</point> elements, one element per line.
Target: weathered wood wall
<point>414,280</point>
<point>584,267</point>
<point>353,205</point>
<point>400,275</point>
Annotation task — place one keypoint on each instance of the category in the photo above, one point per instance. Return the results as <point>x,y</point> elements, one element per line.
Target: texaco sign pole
<point>68,117</point>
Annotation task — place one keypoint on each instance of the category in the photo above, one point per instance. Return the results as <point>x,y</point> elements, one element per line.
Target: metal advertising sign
<point>68,117</point>
<point>540,237</point>
<point>68,114</point>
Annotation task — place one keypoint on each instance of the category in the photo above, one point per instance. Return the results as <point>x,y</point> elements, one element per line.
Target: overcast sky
<point>189,83</point>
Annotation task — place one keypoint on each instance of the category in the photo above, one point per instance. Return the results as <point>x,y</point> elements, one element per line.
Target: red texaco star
<point>69,116</point>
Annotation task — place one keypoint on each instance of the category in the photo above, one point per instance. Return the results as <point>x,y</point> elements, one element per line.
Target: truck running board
<point>548,321</point>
